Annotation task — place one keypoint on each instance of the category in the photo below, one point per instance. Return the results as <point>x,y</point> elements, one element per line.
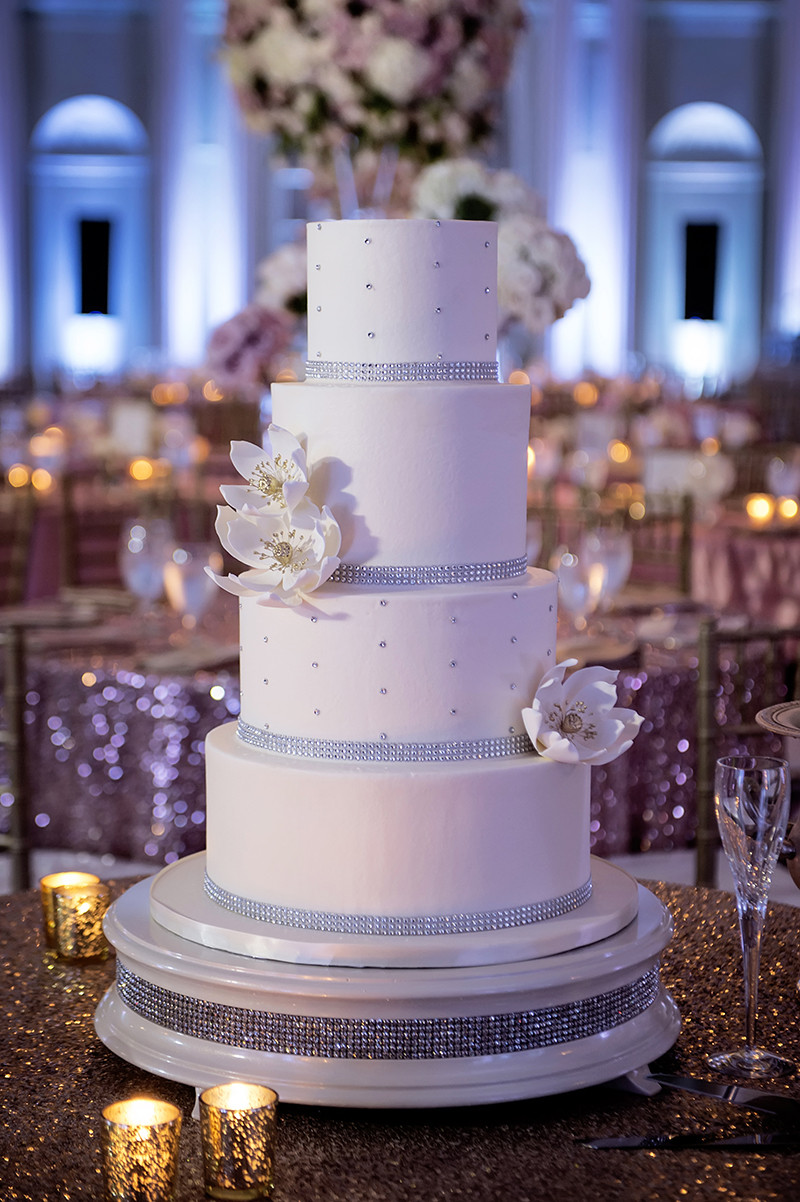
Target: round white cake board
<point>165,961</point>
<point>178,902</point>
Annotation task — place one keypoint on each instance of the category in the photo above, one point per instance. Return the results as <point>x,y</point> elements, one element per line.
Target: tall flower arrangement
<point>540,274</point>
<point>422,76</point>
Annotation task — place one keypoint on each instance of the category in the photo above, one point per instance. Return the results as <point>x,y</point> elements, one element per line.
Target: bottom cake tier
<point>343,847</point>
<point>387,1037</point>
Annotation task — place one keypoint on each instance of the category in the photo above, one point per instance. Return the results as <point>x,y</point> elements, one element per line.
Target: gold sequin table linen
<point>57,1077</point>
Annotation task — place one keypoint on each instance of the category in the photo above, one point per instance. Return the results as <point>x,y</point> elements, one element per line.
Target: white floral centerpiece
<point>281,280</point>
<point>243,352</point>
<point>577,720</point>
<point>423,77</point>
<point>289,545</point>
<point>540,275</point>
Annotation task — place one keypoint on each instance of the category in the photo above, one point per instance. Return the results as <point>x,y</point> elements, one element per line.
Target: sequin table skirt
<point>117,764</point>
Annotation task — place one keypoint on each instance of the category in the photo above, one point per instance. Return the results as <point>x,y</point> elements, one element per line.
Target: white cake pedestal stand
<point>387,1037</point>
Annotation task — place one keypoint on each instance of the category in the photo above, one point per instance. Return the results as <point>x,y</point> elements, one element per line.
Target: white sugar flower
<point>275,473</point>
<point>577,720</point>
<point>288,554</point>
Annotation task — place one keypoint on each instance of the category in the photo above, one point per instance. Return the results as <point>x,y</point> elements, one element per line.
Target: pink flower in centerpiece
<point>240,352</point>
<point>577,719</point>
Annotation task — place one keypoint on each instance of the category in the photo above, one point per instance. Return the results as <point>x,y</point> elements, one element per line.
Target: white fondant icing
<point>394,840</point>
<point>416,473</point>
<point>402,291</point>
<point>394,663</point>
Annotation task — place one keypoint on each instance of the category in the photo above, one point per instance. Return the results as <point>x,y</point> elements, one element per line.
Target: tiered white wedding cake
<point>380,808</point>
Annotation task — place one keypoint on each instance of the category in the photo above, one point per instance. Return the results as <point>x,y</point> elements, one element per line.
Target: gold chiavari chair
<point>13,780</point>
<point>739,673</point>
<point>662,541</point>
<point>17,513</point>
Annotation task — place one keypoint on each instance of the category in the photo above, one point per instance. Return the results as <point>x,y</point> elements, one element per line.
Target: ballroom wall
<point>196,202</point>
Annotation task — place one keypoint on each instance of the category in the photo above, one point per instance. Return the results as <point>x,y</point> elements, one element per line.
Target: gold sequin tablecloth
<point>57,1077</point>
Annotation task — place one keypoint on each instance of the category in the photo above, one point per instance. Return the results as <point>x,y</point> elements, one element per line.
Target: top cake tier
<point>384,295</point>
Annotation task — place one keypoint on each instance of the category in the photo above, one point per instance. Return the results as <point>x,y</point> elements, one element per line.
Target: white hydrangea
<point>396,68</point>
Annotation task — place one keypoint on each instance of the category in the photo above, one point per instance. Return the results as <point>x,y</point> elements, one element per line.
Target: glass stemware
<point>613,551</point>
<point>752,803</point>
<point>188,587</point>
<point>145,546</point>
<point>581,585</point>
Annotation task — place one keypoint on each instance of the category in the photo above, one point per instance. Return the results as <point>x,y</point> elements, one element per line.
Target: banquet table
<point>59,1076</point>
<point>739,569</point>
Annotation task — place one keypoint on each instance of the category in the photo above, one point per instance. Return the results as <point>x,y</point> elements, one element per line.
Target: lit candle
<point>78,913</point>
<point>59,880</point>
<point>788,509</point>
<point>140,1150</point>
<point>238,1129</point>
<point>760,507</point>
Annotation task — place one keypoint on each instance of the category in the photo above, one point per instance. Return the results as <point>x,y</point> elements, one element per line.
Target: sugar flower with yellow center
<point>287,555</point>
<point>575,718</point>
<point>276,474</point>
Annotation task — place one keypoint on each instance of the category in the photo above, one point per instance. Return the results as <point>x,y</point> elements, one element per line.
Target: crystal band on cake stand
<point>384,1038</point>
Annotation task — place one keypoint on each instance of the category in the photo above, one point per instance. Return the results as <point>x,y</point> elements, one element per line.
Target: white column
<point>201,165</point>
<point>594,179</point>
<point>783,314</point>
<point>13,301</point>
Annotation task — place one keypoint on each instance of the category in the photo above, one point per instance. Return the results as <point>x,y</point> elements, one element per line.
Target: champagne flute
<point>188,587</point>
<point>752,803</point>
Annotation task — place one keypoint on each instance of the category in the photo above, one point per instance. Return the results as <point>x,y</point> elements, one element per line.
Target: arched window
<point>90,244</point>
<point>701,287</point>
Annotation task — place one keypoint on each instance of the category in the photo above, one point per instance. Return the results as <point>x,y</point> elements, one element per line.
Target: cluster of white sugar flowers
<point>289,545</point>
<point>539,274</point>
<point>575,718</point>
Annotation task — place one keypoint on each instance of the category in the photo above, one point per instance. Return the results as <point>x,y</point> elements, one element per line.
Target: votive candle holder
<point>78,912</point>
<point>238,1125</point>
<point>59,880</point>
<point>140,1140</point>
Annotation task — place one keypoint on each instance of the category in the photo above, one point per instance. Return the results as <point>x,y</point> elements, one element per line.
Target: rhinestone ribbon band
<point>386,1038</point>
<point>453,573</point>
<point>380,373</point>
<point>368,924</point>
<point>384,752</point>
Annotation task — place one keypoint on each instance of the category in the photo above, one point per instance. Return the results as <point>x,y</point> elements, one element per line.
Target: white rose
<point>287,57</point>
<point>396,69</point>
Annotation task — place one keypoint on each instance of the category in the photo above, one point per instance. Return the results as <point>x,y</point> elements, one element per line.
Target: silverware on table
<point>738,1095</point>
<point>774,1140</point>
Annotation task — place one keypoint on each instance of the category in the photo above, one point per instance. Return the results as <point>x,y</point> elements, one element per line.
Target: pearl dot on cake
<point>368,287</point>
<point>367,241</point>
<point>313,619</point>
<point>452,663</point>
<point>382,692</point>
<point>383,735</point>
<point>487,291</point>
<point>266,638</point>
<point>316,713</point>
<point>316,266</point>
<point>452,711</point>
<point>384,602</point>
<point>438,309</point>
<point>382,643</point>
<point>437,263</point>
<point>514,596</point>
<point>513,638</point>
<point>513,687</point>
<point>315,664</point>
<point>371,334</point>
<point>319,308</point>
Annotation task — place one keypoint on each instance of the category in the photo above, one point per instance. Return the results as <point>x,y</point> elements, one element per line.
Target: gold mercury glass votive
<point>237,1122</point>
<point>58,880</point>
<point>78,912</point>
<point>140,1150</point>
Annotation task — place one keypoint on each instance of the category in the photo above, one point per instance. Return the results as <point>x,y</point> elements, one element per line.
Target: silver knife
<point>738,1095</point>
<point>770,1139</point>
